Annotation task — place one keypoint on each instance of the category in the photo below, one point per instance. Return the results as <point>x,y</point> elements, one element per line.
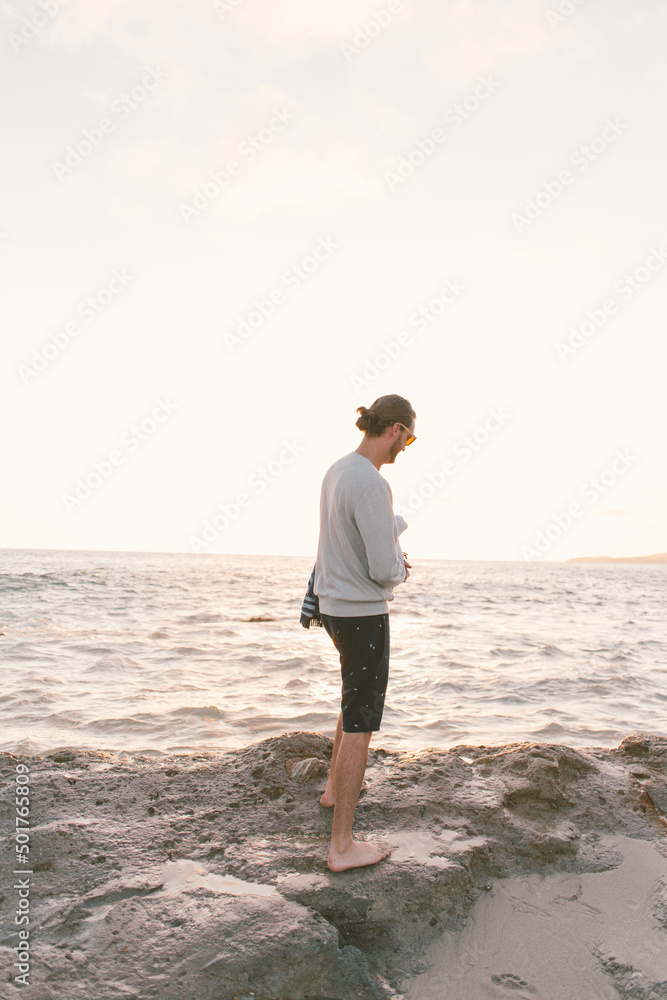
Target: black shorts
<point>363,645</point>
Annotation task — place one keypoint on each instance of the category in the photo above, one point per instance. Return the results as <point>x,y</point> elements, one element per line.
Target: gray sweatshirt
<point>357,561</point>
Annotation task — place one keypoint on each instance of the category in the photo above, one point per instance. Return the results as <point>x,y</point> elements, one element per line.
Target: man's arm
<point>377,527</point>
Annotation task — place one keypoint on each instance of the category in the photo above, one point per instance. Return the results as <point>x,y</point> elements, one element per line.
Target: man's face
<point>399,444</point>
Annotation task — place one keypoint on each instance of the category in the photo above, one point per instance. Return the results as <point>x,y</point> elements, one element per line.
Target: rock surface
<point>204,875</point>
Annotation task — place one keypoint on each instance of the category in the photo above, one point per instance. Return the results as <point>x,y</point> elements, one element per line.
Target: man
<point>358,564</point>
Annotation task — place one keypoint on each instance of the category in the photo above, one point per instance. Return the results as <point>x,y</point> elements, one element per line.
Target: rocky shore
<point>203,876</point>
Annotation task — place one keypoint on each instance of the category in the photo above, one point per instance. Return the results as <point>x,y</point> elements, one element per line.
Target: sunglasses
<point>411,436</point>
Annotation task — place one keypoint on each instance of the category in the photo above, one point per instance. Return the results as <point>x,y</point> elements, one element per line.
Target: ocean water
<point>135,652</point>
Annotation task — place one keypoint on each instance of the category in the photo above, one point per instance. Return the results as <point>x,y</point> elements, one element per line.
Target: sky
<point>227,225</point>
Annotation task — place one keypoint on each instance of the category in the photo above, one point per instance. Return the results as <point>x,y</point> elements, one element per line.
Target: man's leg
<point>363,645</point>
<point>327,798</point>
<point>345,852</point>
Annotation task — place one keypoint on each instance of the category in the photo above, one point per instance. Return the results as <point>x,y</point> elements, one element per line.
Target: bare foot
<point>360,853</point>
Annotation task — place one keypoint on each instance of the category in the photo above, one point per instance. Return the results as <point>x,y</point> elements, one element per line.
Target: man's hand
<point>407,566</point>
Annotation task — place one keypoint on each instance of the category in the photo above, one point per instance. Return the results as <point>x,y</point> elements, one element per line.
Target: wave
<point>28,581</point>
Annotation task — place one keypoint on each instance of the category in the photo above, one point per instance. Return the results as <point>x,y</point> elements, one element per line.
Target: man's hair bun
<point>367,421</point>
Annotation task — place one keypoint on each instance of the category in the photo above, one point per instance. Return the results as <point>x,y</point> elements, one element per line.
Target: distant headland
<point>661,557</point>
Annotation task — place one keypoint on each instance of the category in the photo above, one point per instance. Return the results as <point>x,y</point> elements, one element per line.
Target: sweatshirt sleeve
<point>377,527</point>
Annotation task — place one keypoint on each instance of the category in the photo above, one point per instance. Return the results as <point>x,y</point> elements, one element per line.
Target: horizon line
<point>283,555</point>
